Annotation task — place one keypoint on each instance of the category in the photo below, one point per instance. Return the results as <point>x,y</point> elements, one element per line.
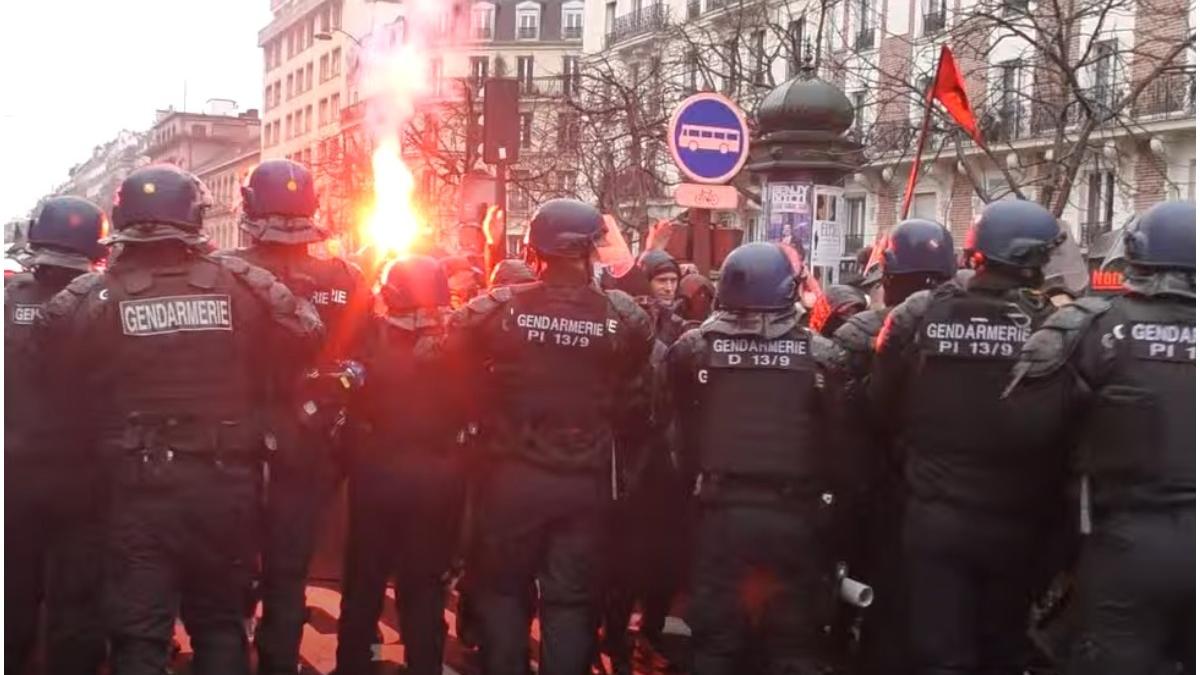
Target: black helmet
<point>655,262</point>
<point>837,304</point>
<point>158,202</point>
<point>1164,237</point>
<point>511,271</point>
<point>415,283</point>
<point>756,276</point>
<point>67,233</point>
<point>1014,232</point>
<point>565,228</point>
<point>278,203</point>
<point>920,246</point>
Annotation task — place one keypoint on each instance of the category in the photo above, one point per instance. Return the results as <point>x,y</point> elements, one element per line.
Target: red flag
<point>949,89</point>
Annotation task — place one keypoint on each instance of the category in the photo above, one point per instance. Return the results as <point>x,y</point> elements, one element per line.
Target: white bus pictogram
<point>696,137</point>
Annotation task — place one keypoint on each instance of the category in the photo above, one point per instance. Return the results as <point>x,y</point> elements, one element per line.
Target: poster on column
<point>827,240</point>
<point>790,217</point>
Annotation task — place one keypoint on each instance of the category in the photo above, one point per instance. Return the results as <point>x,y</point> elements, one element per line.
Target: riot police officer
<point>751,389</point>
<point>560,365</point>
<point>1127,365</point>
<point>982,479</point>
<point>279,203</point>
<point>918,255</point>
<point>177,350</point>
<point>51,531</point>
<point>406,480</point>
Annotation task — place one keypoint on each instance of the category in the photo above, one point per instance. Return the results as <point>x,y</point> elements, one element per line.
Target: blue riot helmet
<point>1014,233</point>
<point>756,277</point>
<point>565,228</point>
<point>160,202</point>
<point>919,246</point>
<point>278,204</point>
<point>67,233</point>
<point>1164,237</point>
<point>417,282</point>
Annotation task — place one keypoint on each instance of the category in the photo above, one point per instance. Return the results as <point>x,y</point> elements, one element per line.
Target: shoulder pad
<point>20,279</point>
<point>234,262</point>
<point>688,344</point>
<point>480,307</point>
<point>295,315</point>
<point>623,302</point>
<point>859,331</point>
<point>70,297</point>
<point>824,350</point>
<point>1048,349</point>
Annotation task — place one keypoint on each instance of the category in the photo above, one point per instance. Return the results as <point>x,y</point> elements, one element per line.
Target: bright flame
<point>392,224</point>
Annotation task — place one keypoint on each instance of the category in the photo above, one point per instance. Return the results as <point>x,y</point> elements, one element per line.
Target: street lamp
<point>328,35</point>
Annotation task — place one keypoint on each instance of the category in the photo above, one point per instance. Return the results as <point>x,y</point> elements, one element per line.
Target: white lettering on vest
<point>176,314</point>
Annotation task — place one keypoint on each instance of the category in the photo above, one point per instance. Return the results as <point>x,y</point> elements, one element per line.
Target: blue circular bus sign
<point>708,138</point>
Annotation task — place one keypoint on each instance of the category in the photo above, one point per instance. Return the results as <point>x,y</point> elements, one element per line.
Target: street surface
<point>318,650</point>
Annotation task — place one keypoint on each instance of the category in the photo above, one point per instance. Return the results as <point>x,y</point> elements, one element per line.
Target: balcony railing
<point>865,39</point>
<point>1004,123</point>
<point>556,86</point>
<point>572,32</point>
<point>854,242</point>
<point>1091,231</point>
<point>648,19</point>
<point>1169,95</point>
<point>935,22</point>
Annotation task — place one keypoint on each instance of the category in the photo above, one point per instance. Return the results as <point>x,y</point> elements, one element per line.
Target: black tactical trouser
<point>300,489</point>
<point>1136,587</point>
<point>972,578</point>
<point>761,592</point>
<point>404,519</point>
<point>53,537</point>
<point>646,558</point>
<point>534,523</point>
<point>877,547</point>
<point>181,541</point>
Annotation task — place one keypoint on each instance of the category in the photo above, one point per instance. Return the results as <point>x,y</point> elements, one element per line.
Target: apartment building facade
<point>224,178</point>
<point>1133,152</point>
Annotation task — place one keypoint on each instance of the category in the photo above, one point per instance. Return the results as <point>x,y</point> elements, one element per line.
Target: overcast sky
<point>75,72</point>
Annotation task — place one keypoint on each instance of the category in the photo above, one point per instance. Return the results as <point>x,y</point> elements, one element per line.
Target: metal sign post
<point>709,141</point>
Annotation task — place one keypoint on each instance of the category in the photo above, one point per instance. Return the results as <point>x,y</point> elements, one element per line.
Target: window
<point>866,31</point>
<point>566,183</point>
<point>859,100</point>
<point>323,112</point>
<point>1012,7</point>
<point>291,42</point>
<point>917,110</point>
<point>525,73</point>
<point>308,119</point>
<point>479,70</point>
<point>483,17</point>
<point>325,19</point>
<point>335,107</point>
<point>797,30</point>
<point>1191,186</point>
<point>526,130</point>
<point>1104,73</point>
<point>758,41</point>
<point>518,195</point>
<point>435,76</point>
<point>1008,102</point>
<point>290,82</point>
<point>856,224</point>
<point>935,16</point>
<point>731,66</point>
<point>571,76</point>
<point>324,67</point>
<point>336,15</point>
<point>199,130</point>
<point>529,16</point>
<point>610,16</point>
<point>288,126</point>
<point>1099,204</point>
<point>924,206</point>
<point>310,30</point>
<point>572,20</point>
<point>568,130</point>
<point>335,62</point>
<point>308,73</point>
<point>267,97</point>
<point>691,72</point>
<point>275,131</point>
<point>278,93</point>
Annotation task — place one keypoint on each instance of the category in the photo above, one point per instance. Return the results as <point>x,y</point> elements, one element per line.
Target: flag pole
<point>916,166</point>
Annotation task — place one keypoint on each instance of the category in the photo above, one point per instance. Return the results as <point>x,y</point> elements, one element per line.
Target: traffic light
<point>501,121</point>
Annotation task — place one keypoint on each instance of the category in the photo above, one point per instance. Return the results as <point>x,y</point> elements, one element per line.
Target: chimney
<point>251,114</point>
